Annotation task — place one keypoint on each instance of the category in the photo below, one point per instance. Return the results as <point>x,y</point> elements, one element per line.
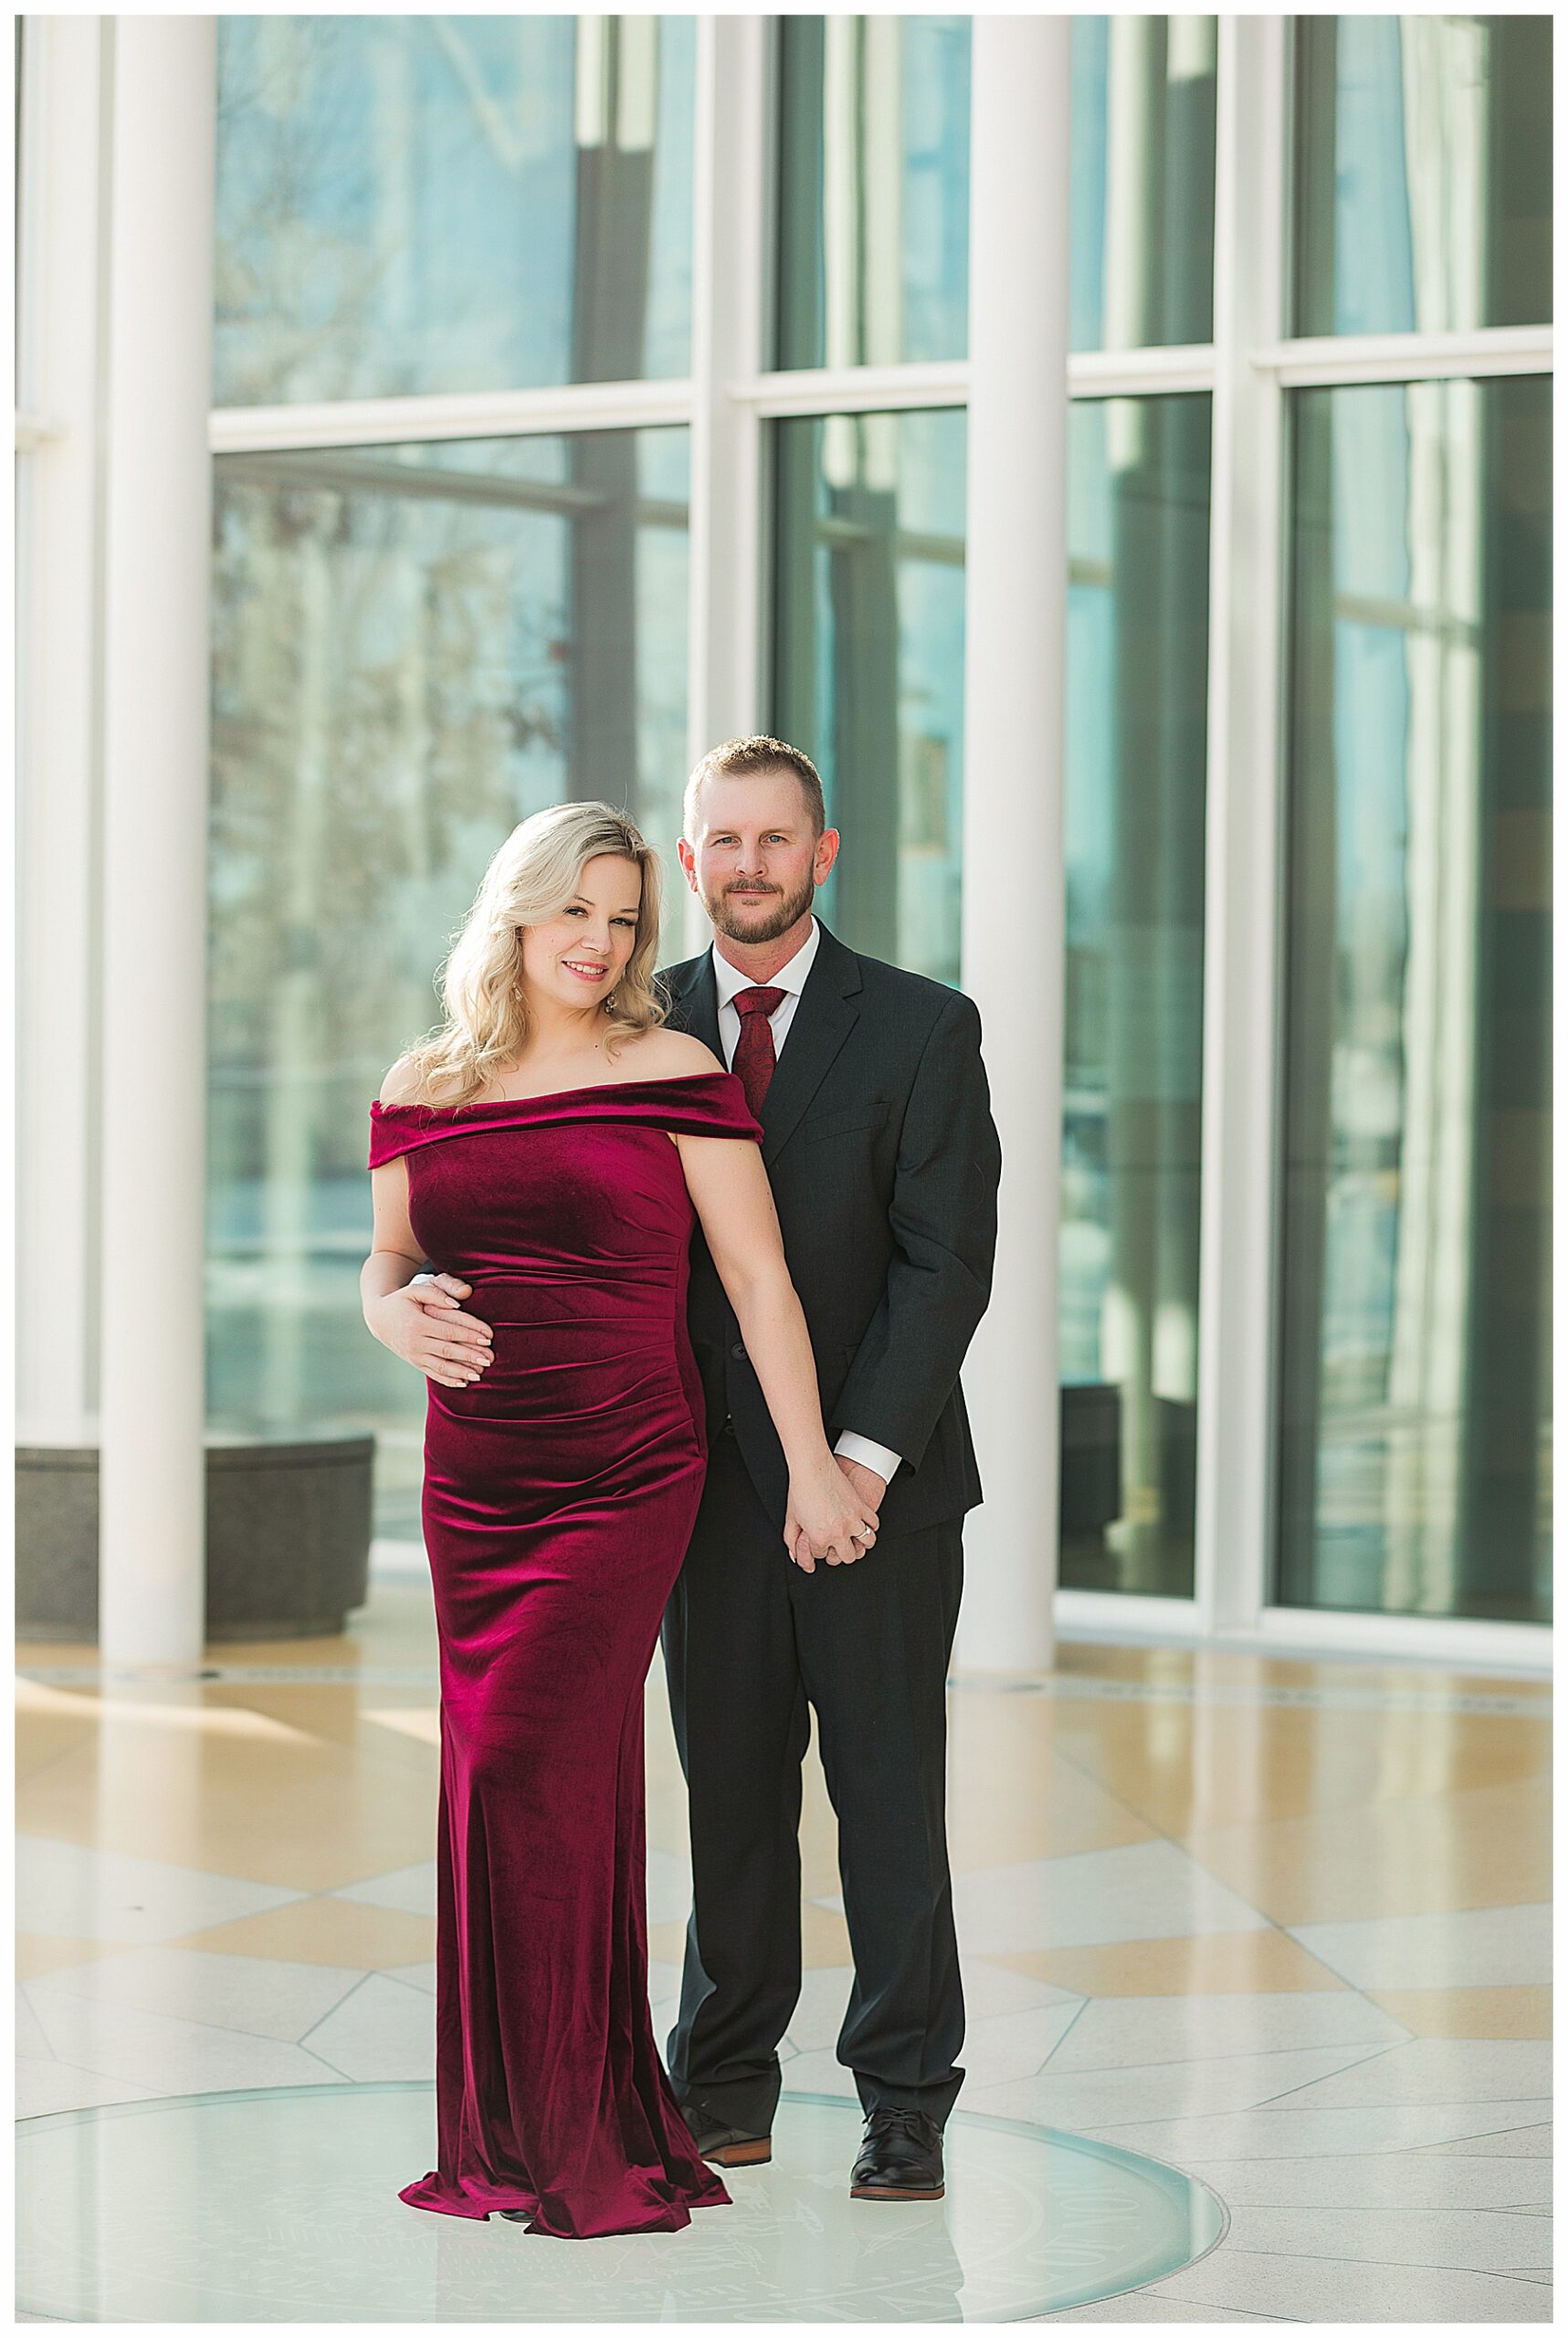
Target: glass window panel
<point>873,189</point>
<point>869,666</point>
<point>408,205</point>
<point>414,647</point>
<point>1413,1368</point>
<point>1424,171</point>
<point>1143,181</point>
<point>1138,522</point>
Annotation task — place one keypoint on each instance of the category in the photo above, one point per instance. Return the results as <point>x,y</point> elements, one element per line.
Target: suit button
<point>738,1351</point>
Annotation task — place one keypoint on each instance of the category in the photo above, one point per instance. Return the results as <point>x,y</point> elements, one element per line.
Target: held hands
<point>425,1324</point>
<point>832,1514</point>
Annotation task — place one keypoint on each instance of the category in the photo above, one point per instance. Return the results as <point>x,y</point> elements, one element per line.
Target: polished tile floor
<point>1281,1926</point>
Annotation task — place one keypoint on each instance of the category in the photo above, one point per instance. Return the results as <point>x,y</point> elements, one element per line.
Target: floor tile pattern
<point>1283,1925</point>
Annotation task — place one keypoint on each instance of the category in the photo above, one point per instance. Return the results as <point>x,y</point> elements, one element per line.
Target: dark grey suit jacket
<point>884,1163</point>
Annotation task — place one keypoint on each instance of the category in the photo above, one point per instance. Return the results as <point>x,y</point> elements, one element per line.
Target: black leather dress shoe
<point>900,2158</point>
<point>719,2139</point>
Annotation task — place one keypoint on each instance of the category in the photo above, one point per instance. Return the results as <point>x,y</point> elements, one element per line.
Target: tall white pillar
<point>1014,899</point>
<point>162,112</point>
<point>59,693</point>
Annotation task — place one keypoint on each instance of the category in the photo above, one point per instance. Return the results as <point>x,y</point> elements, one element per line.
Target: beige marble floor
<point>1284,1925</point>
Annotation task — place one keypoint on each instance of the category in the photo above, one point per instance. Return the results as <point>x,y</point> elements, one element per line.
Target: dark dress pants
<point>750,1643</point>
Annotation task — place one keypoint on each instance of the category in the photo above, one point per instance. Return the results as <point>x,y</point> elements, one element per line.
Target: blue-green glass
<point>1138,526</point>
<point>869,666</point>
<point>414,647</point>
<point>873,189</point>
<point>1143,181</point>
<point>1424,173</point>
<point>409,205</point>
<point>1415,1320</point>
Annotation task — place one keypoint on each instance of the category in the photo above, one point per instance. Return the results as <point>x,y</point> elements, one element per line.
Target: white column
<point>156,565</point>
<point>1014,905</point>
<point>58,681</point>
<point>728,312</point>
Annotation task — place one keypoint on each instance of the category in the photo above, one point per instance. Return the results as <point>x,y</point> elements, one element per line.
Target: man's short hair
<point>739,756</point>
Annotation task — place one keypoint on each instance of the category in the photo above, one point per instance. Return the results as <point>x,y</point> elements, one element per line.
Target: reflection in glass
<point>1143,181</point>
<point>1138,521</point>
<point>1413,1435</point>
<point>1424,149</point>
<point>873,189</point>
<point>414,647</point>
<point>868,667</point>
<point>416,204</point>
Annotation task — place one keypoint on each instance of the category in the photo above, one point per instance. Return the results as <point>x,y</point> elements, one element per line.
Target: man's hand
<point>865,1482</point>
<point>424,1324</point>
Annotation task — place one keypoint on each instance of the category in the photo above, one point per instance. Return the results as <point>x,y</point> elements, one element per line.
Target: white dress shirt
<point>791,980</point>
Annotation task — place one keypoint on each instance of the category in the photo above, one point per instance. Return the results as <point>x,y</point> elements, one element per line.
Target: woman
<point>564,1460</point>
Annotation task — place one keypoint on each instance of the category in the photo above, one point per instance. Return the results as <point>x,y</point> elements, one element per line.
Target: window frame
<point>729,402</point>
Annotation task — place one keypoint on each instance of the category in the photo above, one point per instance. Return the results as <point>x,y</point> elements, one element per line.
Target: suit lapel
<point>695,1001</point>
<point>827,1013</point>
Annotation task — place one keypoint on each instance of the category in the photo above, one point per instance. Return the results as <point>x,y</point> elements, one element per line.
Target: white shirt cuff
<point>875,1456</point>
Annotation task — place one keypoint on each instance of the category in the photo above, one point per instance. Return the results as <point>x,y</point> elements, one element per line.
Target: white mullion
<point>1461,1643</point>
<point>653,404</point>
<point>1330,360</point>
<point>1236,1378</point>
<point>853,389</point>
<point>1132,1615</point>
<point>482,414</point>
<point>1152,372</point>
<point>1457,1643</point>
<point>729,294</point>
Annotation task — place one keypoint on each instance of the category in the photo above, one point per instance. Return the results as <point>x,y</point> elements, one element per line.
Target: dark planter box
<point>289,1531</point>
<point>1090,1457</point>
<point>1178,1466</point>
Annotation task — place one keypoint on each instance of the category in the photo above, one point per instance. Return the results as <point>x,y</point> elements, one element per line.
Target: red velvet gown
<point>560,1491</point>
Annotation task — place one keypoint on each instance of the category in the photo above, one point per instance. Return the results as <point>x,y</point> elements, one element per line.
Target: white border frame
<point>1252,363</point>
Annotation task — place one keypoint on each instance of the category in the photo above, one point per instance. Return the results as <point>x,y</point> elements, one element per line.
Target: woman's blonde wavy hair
<point>532,877</point>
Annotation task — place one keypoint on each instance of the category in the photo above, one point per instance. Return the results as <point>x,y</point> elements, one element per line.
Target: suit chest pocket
<point>870,1114</point>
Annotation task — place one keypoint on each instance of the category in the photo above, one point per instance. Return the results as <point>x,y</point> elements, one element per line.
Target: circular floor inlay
<point>282,2207</point>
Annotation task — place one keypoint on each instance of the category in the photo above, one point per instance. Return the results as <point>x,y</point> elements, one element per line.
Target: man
<point>884,1164</point>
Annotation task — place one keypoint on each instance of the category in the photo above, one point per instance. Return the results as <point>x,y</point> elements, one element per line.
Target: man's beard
<point>766,928</point>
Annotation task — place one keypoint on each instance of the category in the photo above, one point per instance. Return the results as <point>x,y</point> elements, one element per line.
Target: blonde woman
<point>549,1150</point>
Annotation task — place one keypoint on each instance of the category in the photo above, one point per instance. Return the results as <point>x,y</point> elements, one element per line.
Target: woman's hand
<point>424,1323</point>
<point>827,1517</point>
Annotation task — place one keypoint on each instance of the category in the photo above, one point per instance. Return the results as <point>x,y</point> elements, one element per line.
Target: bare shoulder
<point>672,1055</point>
<point>401,1085</point>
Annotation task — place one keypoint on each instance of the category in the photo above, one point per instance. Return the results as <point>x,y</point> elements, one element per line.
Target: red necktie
<point>754,1059</point>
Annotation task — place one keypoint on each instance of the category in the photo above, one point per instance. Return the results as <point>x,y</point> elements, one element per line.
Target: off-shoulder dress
<point>560,1491</point>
